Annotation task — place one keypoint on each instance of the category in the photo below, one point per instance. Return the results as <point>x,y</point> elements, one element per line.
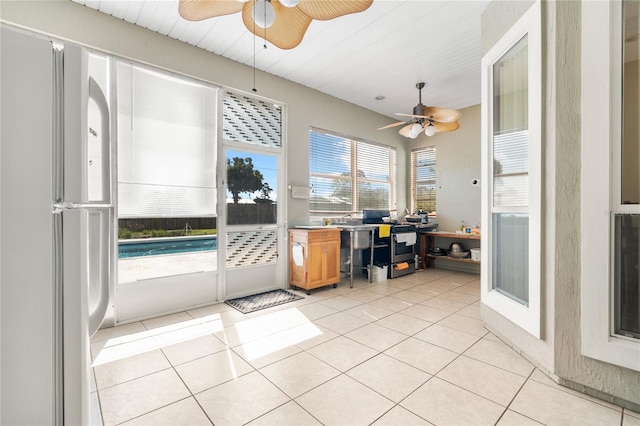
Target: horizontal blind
<point>374,167</point>
<point>423,179</point>
<point>166,145</point>
<point>330,173</point>
<point>511,169</point>
<point>348,175</point>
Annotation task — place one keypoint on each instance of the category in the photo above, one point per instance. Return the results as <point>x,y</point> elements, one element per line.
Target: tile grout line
<point>514,397</point>
<point>406,337</point>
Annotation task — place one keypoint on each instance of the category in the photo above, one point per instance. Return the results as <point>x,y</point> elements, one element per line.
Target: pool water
<point>161,246</point>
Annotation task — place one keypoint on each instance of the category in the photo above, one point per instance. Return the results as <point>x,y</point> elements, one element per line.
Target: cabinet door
<point>332,262</point>
<point>316,274</point>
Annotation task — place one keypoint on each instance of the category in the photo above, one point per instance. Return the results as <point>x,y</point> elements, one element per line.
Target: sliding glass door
<point>167,215</point>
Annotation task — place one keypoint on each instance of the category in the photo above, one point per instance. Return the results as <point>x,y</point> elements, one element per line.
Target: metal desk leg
<point>351,259</point>
<point>371,238</point>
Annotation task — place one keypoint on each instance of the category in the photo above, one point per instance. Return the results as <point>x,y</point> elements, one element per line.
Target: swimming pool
<point>159,246</point>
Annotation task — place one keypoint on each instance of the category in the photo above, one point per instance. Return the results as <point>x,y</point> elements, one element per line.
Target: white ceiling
<point>384,50</point>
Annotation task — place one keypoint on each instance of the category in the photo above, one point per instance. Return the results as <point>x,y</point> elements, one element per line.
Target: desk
<point>429,238</point>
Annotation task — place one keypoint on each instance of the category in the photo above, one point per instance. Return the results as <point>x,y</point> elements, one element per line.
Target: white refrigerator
<point>56,238</point>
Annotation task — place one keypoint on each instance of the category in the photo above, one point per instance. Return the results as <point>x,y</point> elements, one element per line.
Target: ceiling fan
<point>431,120</point>
<point>281,22</point>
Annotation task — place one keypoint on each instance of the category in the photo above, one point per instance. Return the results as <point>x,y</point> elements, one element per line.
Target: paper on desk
<point>409,238</point>
<point>298,254</point>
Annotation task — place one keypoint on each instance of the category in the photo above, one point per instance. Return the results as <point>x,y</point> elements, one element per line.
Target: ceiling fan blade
<point>406,131</point>
<point>197,10</point>
<point>287,30</point>
<point>410,115</point>
<point>446,127</point>
<point>399,123</point>
<point>324,10</point>
<point>443,115</point>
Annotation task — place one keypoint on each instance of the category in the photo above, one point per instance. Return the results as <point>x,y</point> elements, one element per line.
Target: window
<point>610,289</point>
<point>348,175</point>
<point>423,180</point>
<point>510,215</point>
<point>511,151</point>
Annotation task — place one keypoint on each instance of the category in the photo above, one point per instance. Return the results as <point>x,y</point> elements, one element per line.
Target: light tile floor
<point>408,351</point>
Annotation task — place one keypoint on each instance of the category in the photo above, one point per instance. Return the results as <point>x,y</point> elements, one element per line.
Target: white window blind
<point>348,175</point>
<point>511,169</point>
<point>166,145</point>
<point>423,179</point>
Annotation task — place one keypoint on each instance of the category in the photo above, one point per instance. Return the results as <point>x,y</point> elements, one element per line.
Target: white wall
<point>70,21</point>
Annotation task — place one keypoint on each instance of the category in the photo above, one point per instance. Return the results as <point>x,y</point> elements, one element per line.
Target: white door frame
<point>254,273</point>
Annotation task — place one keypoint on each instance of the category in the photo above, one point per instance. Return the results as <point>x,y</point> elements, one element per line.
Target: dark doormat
<point>264,300</point>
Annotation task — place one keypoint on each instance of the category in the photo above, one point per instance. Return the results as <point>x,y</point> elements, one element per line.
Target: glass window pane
<point>329,155</point>
<point>373,195</point>
<point>511,89</point>
<point>330,194</point>
<point>631,107</point>
<point>347,175</point>
<point>510,134</point>
<point>166,146</point>
<point>627,274</point>
<point>510,256</point>
<point>423,182</point>
<point>251,182</point>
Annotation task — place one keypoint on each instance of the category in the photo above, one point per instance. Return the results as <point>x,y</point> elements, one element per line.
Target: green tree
<point>264,194</point>
<point>242,177</point>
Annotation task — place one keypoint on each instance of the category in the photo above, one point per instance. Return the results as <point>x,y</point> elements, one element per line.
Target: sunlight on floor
<point>253,335</point>
<point>137,343</point>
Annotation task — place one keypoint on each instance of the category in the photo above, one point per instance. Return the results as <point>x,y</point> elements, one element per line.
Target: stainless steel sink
<point>347,222</point>
<point>353,227</point>
<point>361,235</point>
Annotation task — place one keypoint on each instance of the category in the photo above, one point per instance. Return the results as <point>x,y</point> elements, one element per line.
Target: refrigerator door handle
<point>97,314</point>
<point>98,97</point>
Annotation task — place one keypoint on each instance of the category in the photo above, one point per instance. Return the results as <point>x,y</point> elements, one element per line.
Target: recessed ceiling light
<point>380,97</point>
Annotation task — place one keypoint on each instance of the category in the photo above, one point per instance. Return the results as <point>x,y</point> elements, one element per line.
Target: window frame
<point>353,177</point>
<point>414,183</point>
<point>601,137</point>
<point>526,317</point>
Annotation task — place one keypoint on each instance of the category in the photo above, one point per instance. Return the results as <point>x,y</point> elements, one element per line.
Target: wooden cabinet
<point>314,258</point>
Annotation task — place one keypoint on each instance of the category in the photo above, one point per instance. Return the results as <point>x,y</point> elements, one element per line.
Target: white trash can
<point>379,273</point>
<point>475,254</point>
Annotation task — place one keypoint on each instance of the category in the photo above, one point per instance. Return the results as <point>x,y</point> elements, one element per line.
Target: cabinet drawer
<point>322,235</point>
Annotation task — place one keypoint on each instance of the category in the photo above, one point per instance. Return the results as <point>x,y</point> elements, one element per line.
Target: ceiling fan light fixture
<point>429,129</point>
<point>263,13</point>
<point>431,120</point>
<point>288,20</point>
<point>289,3</point>
<point>415,130</point>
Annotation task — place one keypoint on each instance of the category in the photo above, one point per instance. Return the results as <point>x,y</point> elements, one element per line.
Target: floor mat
<point>264,300</point>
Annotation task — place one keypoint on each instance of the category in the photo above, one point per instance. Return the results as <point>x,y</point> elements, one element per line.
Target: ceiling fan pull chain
<point>265,28</point>
<point>254,90</point>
